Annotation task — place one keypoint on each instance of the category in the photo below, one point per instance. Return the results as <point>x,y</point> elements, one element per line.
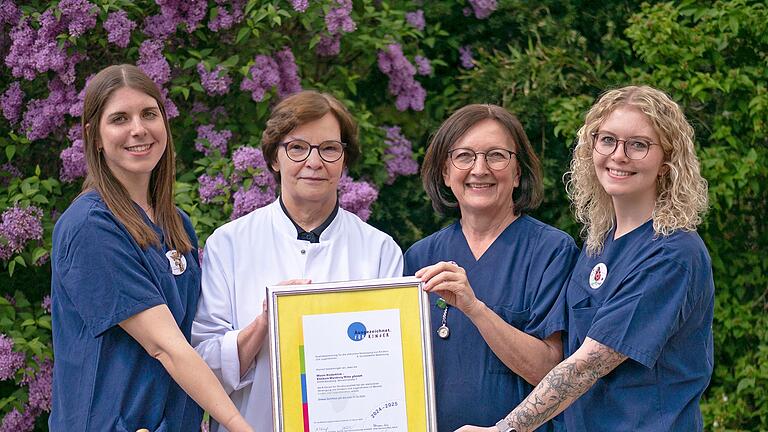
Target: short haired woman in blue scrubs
<point>126,278</point>
<point>495,274</point>
<point>641,297</point>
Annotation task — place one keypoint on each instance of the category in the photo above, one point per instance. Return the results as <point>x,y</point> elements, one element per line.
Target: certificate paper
<point>354,372</point>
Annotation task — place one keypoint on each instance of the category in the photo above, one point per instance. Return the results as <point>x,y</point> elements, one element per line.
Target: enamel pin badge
<point>598,275</point>
<point>178,262</point>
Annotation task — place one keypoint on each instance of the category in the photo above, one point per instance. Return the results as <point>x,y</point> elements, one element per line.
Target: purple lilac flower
<point>211,187</point>
<point>219,112</point>
<point>401,152</point>
<point>409,92</point>
<point>215,82</point>
<point>251,159</point>
<point>20,57</point>
<point>9,13</point>
<point>10,360</point>
<point>19,421</point>
<point>40,387</point>
<point>18,226</point>
<point>264,75</point>
<point>224,18</point>
<point>338,19</point>
<point>119,28</point>
<point>209,140</point>
<point>357,196</point>
<point>80,15</point>
<point>160,26</point>
<point>423,67</point>
<point>11,102</point>
<point>153,62</point>
<point>290,82</point>
<point>328,46</point>
<point>45,116</point>
<point>300,5</point>
<point>73,164</point>
<point>173,13</point>
<point>416,19</point>
<point>8,172</point>
<point>250,200</point>
<point>170,107</point>
<point>46,303</point>
<point>483,8</point>
<point>76,110</point>
<point>199,107</point>
<point>465,56</point>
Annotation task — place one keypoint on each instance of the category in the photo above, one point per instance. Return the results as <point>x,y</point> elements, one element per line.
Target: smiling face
<point>132,135</point>
<point>312,183</point>
<point>480,190</point>
<point>624,179</point>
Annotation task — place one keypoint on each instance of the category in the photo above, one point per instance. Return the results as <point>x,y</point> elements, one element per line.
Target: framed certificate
<point>351,356</point>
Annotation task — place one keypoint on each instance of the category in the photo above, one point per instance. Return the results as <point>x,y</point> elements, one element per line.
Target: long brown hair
<point>101,179</point>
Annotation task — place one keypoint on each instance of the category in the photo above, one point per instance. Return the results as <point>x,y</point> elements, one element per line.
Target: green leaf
<point>242,34</point>
<point>11,268</point>
<point>10,151</point>
<point>28,322</point>
<point>19,259</point>
<point>190,63</point>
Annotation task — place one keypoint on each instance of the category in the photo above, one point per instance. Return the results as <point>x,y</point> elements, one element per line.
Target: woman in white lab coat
<point>302,237</point>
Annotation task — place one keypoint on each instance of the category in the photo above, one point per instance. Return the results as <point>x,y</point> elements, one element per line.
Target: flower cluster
<point>45,116</point>
<point>211,187</point>
<point>225,18</point>
<point>10,360</point>
<point>409,92</point>
<point>11,102</point>
<point>9,13</point>
<point>46,303</point>
<point>357,196</point>
<point>416,19</point>
<point>300,5</point>
<point>119,28</point>
<point>19,421</point>
<point>267,72</point>
<point>40,384</point>
<point>173,13</point>
<point>400,150</point>
<point>18,226</point>
<point>250,160</point>
<point>338,19</point>
<point>328,46</point>
<point>78,15</point>
<point>483,8</point>
<point>209,140</point>
<point>215,82</point>
<point>423,67</point>
<point>249,200</point>
<point>153,62</point>
<point>465,57</point>
<point>8,172</point>
<point>73,163</point>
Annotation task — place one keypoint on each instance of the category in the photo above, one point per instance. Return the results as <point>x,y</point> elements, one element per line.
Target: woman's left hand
<point>449,280</point>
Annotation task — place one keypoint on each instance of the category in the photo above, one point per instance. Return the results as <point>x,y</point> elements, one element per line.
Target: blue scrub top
<point>519,277</point>
<point>653,302</point>
<point>103,380</point>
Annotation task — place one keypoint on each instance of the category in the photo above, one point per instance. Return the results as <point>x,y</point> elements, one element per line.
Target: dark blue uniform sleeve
<point>645,311</point>
<point>105,275</point>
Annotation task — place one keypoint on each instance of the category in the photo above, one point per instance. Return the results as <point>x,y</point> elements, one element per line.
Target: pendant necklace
<point>443,330</point>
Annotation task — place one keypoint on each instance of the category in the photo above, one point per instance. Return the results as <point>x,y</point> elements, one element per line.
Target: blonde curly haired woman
<point>641,297</point>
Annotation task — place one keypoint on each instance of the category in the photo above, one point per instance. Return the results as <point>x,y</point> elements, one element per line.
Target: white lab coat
<point>246,255</point>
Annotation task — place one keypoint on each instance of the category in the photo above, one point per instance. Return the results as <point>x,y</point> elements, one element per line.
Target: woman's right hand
<point>448,280</point>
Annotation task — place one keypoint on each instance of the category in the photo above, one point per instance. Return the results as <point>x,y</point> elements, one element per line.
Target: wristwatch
<point>503,426</point>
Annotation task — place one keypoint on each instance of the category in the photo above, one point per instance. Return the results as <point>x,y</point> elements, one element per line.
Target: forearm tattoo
<point>562,385</point>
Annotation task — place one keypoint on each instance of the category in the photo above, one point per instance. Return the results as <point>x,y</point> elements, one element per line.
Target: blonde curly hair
<point>681,191</point>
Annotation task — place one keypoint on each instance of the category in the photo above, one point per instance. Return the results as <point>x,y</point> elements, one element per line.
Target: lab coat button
<point>303,251</point>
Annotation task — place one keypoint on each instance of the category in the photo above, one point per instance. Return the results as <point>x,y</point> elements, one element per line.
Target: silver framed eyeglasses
<point>635,148</point>
<point>497,159</point>
<point>298,150</point>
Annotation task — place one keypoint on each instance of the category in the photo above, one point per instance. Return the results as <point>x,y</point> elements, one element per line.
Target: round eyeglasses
<point>298,150</point>
<point>496,159</point>
<point>635,148</point>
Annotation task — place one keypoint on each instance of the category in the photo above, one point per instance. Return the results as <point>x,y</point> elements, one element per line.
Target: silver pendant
<point>443,332</point>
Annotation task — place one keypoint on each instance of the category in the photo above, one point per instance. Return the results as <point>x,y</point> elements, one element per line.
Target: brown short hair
<point>304,107</point>
<point>526,197</point>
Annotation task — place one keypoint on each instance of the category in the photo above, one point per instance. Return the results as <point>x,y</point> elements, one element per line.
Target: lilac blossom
<point>251,160</point>
<point>9,13</point>
<point>199,107</point>
<point>79,16</point>
<point>264,74</point>
<point>249,200</point>
<point>300,5</point>
<point>209,140</point>
<point>416,19</point>
<point>76,110</point>
<point>46,303</point>
<point>119,28</point>
<point>289,75</point>
<point>225,18</point>
<point>172,13</point>
<point>423,67</point>
<point>328,46</point>
<point>18,226</point>
<point>170,107</point>
<point>483,8</point>
<point>24,45</point>
<point>408,91</point>
<point>357,196</point>
<point>19,421</point>
<point>211,187</point>
<point>465,57</point>
<point>8,172</point>
<point>219,112</point>
<point>11,102</point>
<point>40,384</point>
<point>160,26</point>
<point>400,150</point>
<point>10,360</point>
<point>153,62</point>
<point>73,163</point>
<point>338,19</point>
<point>215,82</point>
<point>45,116</point>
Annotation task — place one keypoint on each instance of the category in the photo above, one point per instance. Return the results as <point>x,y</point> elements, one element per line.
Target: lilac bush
<point>409,93</point>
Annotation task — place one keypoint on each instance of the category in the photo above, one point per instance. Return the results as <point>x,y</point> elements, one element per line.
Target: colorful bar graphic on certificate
<point>354,373</point>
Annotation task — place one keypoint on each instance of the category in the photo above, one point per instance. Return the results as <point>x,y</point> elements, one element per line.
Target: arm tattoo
<point>562,385</point>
